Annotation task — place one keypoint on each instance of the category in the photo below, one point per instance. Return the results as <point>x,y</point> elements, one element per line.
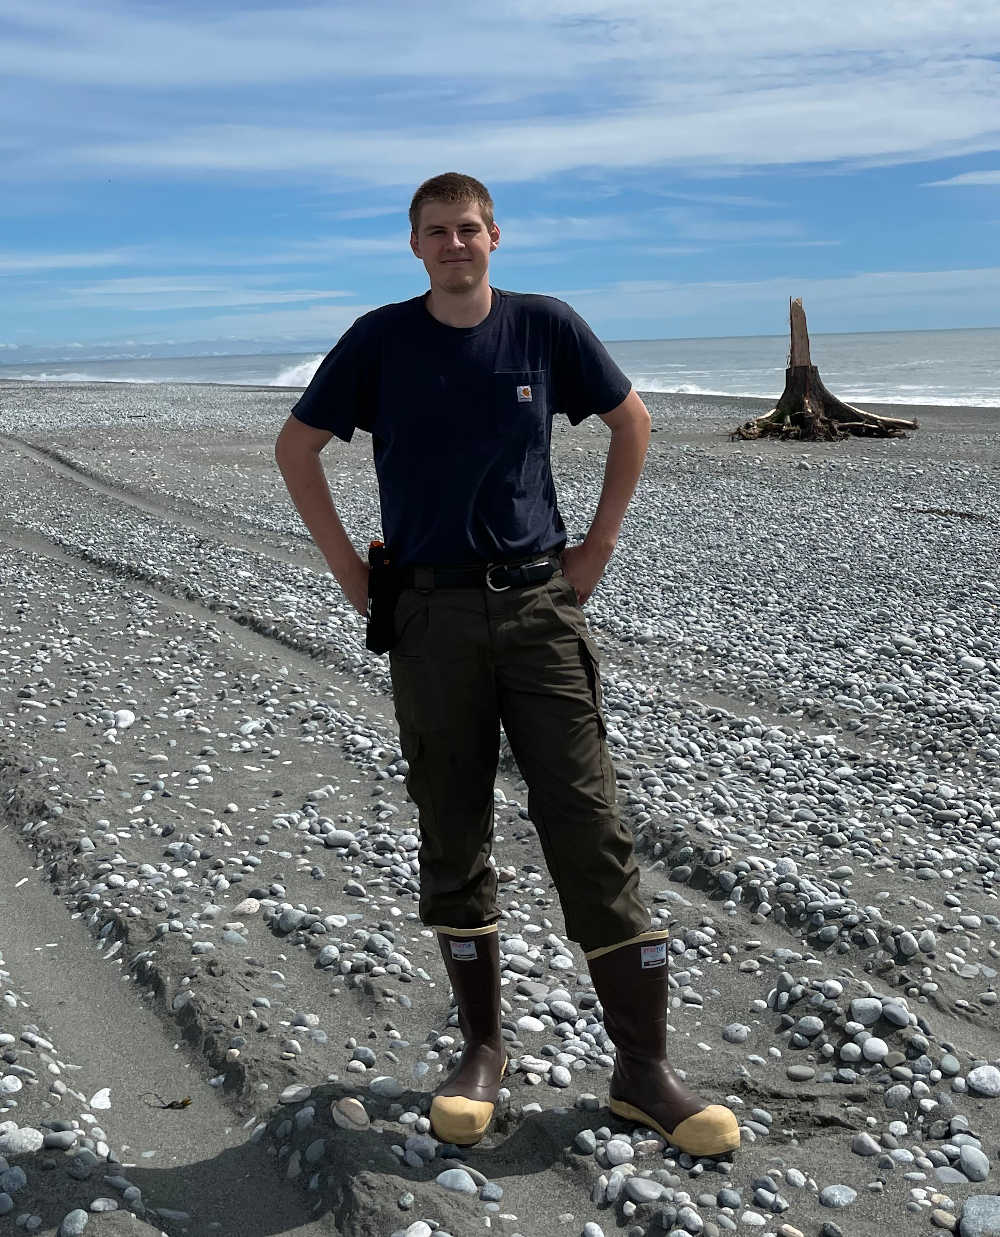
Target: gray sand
<point>801,660</point>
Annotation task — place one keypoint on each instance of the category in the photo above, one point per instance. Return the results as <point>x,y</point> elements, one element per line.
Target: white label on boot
<point>654,955</point>
<point>465,951</point>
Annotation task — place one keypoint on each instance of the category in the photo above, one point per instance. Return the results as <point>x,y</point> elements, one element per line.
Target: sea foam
<point>299,375</point>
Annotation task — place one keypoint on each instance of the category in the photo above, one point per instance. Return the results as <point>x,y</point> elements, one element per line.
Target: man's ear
<point>494,237</point>
<point>414,244</point>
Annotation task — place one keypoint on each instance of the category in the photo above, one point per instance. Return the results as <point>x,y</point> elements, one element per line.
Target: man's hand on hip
<point>354,582</point>
<point>583,566</point>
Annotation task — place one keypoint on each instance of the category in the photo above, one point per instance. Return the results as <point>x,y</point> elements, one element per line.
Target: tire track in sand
<point>256,635</point>
<point>187,514</point>
<point>207,522</point>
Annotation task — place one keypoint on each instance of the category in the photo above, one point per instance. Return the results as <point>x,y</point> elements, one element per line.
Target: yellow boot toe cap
<point>457,1120</point>
<point>713,1131</point>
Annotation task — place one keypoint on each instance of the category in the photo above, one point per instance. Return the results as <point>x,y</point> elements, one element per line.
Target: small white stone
<point>875,1049</point>
<point>619,1151</point>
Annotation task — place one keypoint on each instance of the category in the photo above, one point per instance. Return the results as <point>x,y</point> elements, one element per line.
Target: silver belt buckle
<point>489,583</point>
<point>540,562</point>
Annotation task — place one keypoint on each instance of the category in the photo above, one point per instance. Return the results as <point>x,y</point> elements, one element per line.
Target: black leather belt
<point>497,577</point>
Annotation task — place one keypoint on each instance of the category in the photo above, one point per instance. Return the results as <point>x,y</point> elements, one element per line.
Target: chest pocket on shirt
<point>520,401</point>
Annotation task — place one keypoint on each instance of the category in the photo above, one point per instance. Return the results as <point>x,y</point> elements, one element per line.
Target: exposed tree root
<point>807,410</point>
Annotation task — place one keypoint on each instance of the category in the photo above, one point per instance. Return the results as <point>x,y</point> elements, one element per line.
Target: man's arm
<point>297,453</point>
<point>630,426</point>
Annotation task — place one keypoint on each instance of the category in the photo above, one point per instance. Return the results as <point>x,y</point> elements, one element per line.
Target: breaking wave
<point>299,375</point>
<point>73,376</point>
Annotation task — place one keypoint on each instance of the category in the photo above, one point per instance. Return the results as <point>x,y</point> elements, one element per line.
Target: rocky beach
<point>220,1013</point>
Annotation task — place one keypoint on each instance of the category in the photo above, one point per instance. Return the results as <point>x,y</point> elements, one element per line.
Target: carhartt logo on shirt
<point>524,395</point>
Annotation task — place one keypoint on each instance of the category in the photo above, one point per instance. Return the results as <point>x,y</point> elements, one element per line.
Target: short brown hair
<point>452,187</point>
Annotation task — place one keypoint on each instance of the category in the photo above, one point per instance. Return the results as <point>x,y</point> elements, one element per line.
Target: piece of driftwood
<point>807,410</point>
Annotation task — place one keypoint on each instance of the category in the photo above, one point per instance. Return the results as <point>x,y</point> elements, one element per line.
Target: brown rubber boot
<point>463,1105</point>
<point>631,983</point>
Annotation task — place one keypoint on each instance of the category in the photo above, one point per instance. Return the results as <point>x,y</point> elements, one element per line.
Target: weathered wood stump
<point>807,410</point>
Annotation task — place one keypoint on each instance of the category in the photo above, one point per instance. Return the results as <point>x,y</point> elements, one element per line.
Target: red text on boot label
<point>654,955</point>
<point>464,951</point>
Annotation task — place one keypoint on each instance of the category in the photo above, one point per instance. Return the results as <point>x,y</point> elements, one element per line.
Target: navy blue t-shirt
<point>461,421</point>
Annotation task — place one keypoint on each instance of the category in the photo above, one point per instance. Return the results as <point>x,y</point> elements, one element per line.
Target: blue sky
<point>236,177</point>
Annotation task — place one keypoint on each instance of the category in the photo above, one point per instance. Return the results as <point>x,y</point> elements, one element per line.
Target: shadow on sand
<point>308,1176</point>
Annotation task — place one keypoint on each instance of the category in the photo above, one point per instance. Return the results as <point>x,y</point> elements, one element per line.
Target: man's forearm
<point>310,493</point>
<point>626,455</point>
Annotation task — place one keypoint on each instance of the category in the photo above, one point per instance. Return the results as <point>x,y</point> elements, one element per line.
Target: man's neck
<point>463,309</point>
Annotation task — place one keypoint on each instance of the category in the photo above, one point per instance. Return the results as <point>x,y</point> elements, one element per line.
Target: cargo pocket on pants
<point>592,663</point>
<point>416,781</point>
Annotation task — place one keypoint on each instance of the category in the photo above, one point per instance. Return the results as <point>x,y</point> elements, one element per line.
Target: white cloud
<point>144,293</point>
<point>960,296</point>
<point>285,325</point>
<point>663,308</point>
<point>521,90</point>
<point>820,121</point>
<point>25,263</point>
<point>967,178</point>
<point>107,43</point>
<point>371,212</point>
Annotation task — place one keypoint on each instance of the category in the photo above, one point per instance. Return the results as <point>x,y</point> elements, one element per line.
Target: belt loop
<point>423,579</point>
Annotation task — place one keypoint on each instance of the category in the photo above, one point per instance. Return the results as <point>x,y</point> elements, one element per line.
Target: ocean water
<point>960,367</point>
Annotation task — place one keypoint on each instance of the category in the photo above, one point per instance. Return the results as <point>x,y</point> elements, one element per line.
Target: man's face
<point>454,244</point>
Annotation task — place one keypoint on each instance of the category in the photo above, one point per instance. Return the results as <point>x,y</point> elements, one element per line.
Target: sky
<point>213,176</point>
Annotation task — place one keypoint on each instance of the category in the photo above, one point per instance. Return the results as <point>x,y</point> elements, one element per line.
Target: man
<point>458,388</point>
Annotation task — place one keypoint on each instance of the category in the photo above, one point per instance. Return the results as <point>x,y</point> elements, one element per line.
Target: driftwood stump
<point>807,410</point>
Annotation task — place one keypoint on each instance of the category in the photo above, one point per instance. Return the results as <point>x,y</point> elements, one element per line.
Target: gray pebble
<point>22,1141</point>
<point>641,1190</point>
<point>984,1080</point>
<point>973,1163</point>
<point>874,1049</point>
<point>895,1014</point>
<point>866,1010</point>
<point>897,1097</point>
<point>74,1222</point>
<point>619,1151</point>
<point>419,1228</point>
<point>981,1216</point>
<point>457,1179</point>
<point>386,1087</point>
<point>837,1196</point>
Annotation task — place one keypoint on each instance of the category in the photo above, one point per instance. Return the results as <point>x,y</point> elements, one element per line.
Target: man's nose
<point>455,241</point>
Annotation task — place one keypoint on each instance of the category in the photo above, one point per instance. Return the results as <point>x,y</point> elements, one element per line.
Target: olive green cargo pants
<point>464,660</point>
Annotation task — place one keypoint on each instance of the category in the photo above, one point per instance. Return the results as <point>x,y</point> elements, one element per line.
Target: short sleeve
<point>342,394</point>
<point>586,379</point>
